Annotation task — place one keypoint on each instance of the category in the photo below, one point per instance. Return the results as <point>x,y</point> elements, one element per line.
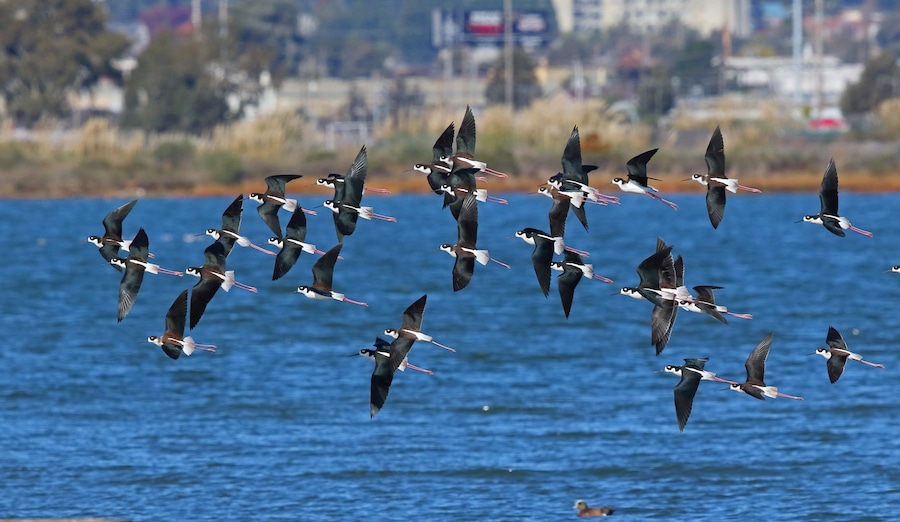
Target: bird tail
<point>290,204</point>
<point>228,282</point>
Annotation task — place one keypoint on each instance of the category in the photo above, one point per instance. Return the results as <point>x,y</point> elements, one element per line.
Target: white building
<point>648,15</point>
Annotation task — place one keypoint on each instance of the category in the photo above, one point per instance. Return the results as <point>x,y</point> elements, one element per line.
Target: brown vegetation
<point>100,159</point>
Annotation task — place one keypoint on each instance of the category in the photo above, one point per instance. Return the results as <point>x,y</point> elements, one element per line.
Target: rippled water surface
<point>533,412</point>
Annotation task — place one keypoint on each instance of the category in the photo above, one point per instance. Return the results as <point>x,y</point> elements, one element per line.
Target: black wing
<point>465,138</point>
<point>835,366</point>
<point>571,159</point>
<point>637,166</point>
<point>286,258</point>
<point>231,221</point>
<point>201,295</point>
<point>175,317</point>
<point>828,191</point>
<point>463,269</point>
<point>467,222</point>
<point>268,211</point>
<point>443,147</point>
<point>412,316</point>
<point>715,154</point>
<point>835,340</point>
<point>275,185</point>
<point>323,269</point>
<point>662,319</point>
<point>541,258</point>
<point>134,274</point>
<point>355,180</point>
<point>566,283</point>
<point>558,214</point>
<point>756,362</point>
<point>382,376</point>
<point>684,395</point>
<point>345,222</point>
<point>112,223</point>
<point>715,203</point>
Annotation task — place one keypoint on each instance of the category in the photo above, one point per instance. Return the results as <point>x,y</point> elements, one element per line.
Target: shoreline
<point>781,183</point>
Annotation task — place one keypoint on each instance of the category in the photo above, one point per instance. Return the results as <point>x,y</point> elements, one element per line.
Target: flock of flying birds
<point>454,176</point>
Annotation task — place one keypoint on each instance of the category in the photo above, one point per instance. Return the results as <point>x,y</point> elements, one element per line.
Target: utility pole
<point>820,66</point>
<point>196,20</point>
<point>797,19</point>
<point>223,18</point>
<point>508,52</point>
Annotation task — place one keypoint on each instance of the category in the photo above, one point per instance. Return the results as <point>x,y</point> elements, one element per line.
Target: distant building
<point>705,16</point>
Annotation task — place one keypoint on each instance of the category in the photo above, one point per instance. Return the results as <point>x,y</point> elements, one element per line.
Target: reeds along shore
<point>99,159</point>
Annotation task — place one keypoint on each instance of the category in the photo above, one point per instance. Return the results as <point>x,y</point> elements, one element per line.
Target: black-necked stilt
<point>173,341</point>
<point>585,511</point>
<point>411,325</point>
<point>323,275</point>
<point>705,303</point>
<point>464,251</point>
<point>828,212</point>
<point>273,199</point>
<point>291,245</point>
<point>212,276</point>
<point>658,285</point>
<point>573,268</point>
<point>715,180</point>
<point>559,211</point>
<point>545,245</point>
<point>384,346</point>
<point>346,206</point>
<point>229,234</point>
<point>388,360</point>
<point>465,148</point>
<point>111,241</point>
<point>691,373</point>
<point>837,354</point>
<point>637,179</point>
<point>135,265</point>
<point>755,385</point>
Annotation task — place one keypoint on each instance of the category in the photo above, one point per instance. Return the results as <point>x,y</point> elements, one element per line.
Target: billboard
<point>486,26</point>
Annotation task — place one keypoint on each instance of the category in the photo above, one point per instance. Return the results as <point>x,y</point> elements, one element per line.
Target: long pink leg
<point>876,365</point>
<point>351,301</point>
<point>496,173</point>
<point>261,249</point>
<point>246,287</point>
<point>310,212</point>
<point>671,205</point>
<point>582,253</point>
<point>377,190</point>
<point>786,396</point>
<point>384,218</point>
<point>749,189</point>
<point>418,369</point>
<point>166,271</point>
<point>599,277</point>
<point>442,346</point>
<point>495,199</point>
<point>742,316</point>
<point>501,263</point>
<point>861,231</point>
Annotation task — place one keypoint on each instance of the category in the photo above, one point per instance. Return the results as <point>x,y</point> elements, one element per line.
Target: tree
<point>174,88</point>
<point>50,49</point>
<point>878,82</point>
<point>655,93</point>
<point>525,83</point>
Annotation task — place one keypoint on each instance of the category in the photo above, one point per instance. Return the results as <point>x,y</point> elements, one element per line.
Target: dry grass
<point>100,159</point>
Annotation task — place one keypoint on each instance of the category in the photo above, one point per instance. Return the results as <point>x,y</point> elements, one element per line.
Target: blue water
<point>533,412</point>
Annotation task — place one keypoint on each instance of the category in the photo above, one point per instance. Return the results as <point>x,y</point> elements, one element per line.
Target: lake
<point>533,412</point>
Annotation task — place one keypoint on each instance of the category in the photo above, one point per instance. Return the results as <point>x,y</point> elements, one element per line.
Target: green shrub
<point>223,167</point>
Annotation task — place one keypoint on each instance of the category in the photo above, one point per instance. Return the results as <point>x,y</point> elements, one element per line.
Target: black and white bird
<point>411,325</point>
<point>755,385</point>
<point>465,148</point>
<point>828,210</point>
<point>837,355</point>
<point>348,192</point>
<point>173,341</point>
<point>691,373</point>
<point>465,251</point>
<point>658,285</point>
<point>213,276</point>
<point>135,265</point>
<point>637,180</point>
<point>111,241</point>
<point>384,346</point>
<point>715,180</point>
<point>573,268</point>
<point>291,245</point>
<point>273,199</point>
<point>323,275</point>
<point>229,234</point>
<point>705,303</point>
<point>545,246</point>
<point>388,359</point>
